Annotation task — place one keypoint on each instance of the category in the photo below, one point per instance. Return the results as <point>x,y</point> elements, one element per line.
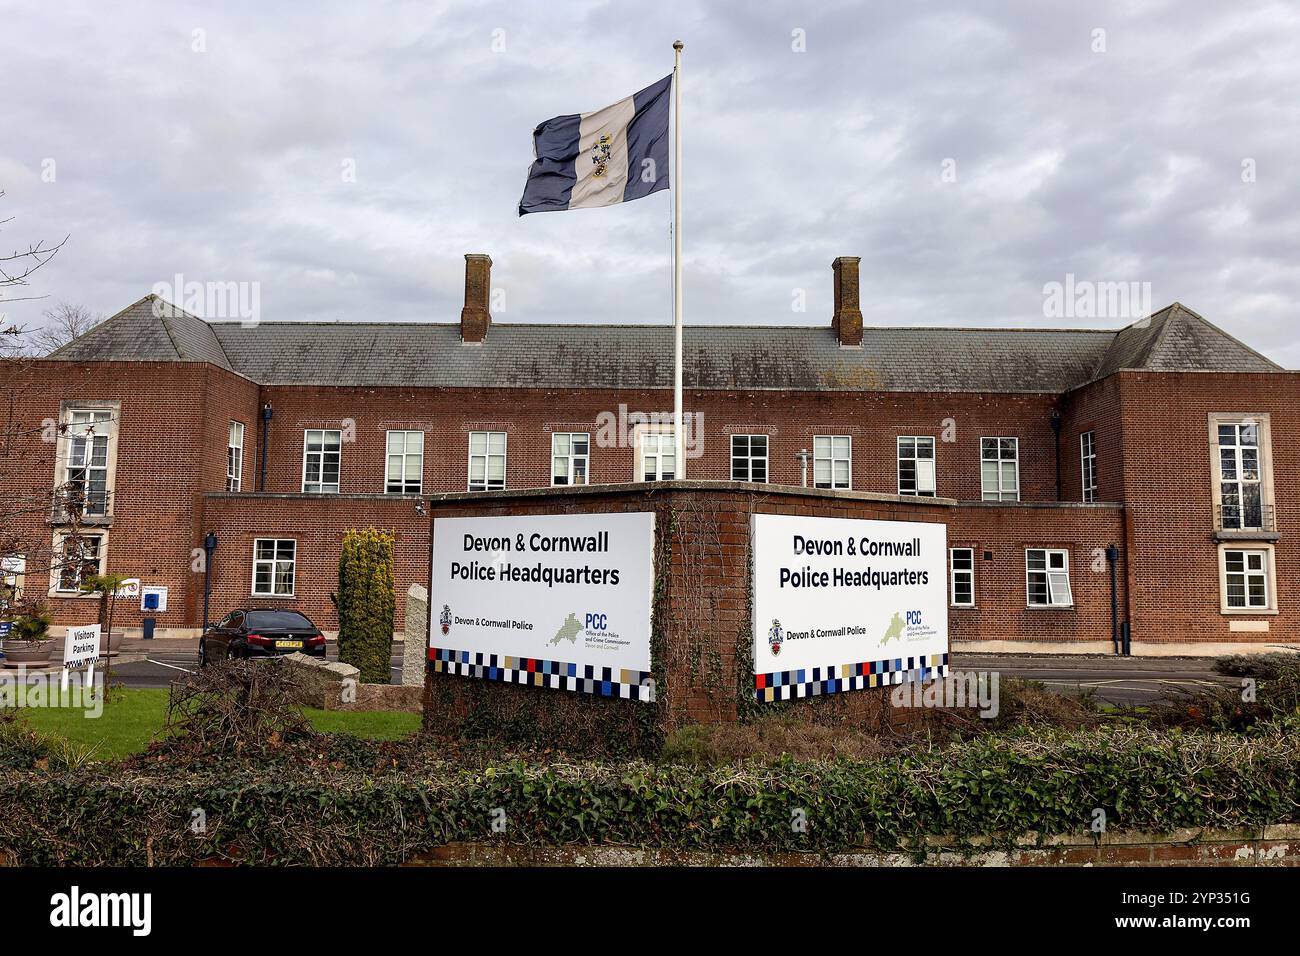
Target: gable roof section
<point>1176,339</point>
<point>150,330</point>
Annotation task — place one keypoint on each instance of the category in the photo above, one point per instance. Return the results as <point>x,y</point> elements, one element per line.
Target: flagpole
<point>678,437</point>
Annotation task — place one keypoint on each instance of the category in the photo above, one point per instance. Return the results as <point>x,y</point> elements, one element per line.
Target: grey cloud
<point>226,165</point>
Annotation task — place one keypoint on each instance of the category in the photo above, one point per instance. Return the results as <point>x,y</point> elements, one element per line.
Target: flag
<point>610,156</point>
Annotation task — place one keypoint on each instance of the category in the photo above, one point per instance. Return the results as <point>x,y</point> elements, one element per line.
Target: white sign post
<point>80,648</point>
<point>846,604</point>
<point>558,601</point>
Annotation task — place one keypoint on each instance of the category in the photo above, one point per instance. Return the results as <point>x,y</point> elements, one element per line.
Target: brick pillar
<point>415,635</point>
<point>475,317</point>
<point>847,320</point>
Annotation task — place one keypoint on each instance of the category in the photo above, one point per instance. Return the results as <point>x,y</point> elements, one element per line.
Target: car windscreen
<point>274,620</point>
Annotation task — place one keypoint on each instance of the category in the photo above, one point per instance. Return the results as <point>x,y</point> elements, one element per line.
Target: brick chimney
<point>475,317</point>
<point>847,320</point>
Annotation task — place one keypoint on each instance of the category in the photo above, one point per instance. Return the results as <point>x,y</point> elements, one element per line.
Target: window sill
<point>272,597</point>
<point>1249,612</point>
<point>1245,534</point>
<point>74,595</point>
<point>91,523</point>
<point>1050,607</point>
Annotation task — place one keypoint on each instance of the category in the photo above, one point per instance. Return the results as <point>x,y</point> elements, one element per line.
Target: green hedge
<point>366,604</point>
<point>303,813</point>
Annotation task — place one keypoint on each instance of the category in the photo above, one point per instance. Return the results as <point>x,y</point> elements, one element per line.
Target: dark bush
<point>1045,782</point>
<point>20,747</point>
<point>367,604</point>
<point>1267,697</point>
<point>235,708</point>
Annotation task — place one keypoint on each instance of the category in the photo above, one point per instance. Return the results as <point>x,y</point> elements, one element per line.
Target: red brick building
<point>1168,443</point>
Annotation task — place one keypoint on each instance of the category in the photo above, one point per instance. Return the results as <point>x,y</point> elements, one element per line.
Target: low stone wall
<point>1277,845</point>
<point>386,697</point>
<point>331,685</point>
<point>319,680</point>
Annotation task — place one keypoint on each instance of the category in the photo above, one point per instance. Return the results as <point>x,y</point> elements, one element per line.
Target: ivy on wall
<point>349,811</point>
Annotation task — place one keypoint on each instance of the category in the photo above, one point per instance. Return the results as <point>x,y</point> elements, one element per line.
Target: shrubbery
<point>330,813</point>
<point>367,604</point>
<point>270,790</point>
<point>1266,700</point>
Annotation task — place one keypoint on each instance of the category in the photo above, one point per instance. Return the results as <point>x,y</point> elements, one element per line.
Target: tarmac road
<point>167,659</point>
<point>1114,680</point>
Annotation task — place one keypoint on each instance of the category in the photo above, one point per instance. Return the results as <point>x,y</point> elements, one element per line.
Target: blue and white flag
<point>610,156</point>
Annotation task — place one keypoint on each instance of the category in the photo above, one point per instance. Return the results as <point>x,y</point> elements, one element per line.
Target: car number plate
<point>288,644</point>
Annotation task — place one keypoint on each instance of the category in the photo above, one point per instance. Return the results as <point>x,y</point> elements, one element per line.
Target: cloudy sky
<point>970,153</point>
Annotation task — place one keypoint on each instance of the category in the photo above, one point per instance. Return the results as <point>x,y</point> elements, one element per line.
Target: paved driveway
<point>157,663</point>
<point>1115,680</point>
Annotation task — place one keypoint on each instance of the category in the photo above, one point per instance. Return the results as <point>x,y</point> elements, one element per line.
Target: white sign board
<point>80,649</point>
<point>130,588</point>
<point>159,592</point>
<point>847,603</point>
<point>558,601</point>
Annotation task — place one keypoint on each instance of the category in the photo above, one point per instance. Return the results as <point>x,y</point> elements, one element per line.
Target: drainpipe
<point>1112,559</point>
<point>209,545</point>
<point>266,430</point>
<point>1056,431</point>
<point>803,457</point>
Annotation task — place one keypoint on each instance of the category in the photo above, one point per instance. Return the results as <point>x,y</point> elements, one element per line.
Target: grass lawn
<point>134,717</point>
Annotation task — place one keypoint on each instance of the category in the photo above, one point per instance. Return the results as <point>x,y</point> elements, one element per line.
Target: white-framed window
<point>1246,579</point>
<point>487,461</point>
<point>961,562</point>
<point>1241,476</point>
<point>13,577</point>
<point>321,454</point>
<point>86,473</point>
<point>749,458</point>
<point>1088,465</point>
<point>79,558</point>
<point>235,457</point>
<point>916,465</point>
<point>274,566</point>
<point>404,467</point>
<point>1000,469</point>
<point>570,457</point>
<point>832,461</point>
<point>1047,577</point>
<point>657,455</point>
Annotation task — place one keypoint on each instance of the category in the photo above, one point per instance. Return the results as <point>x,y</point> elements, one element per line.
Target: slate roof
<point>639,356</point>
<point>1176,339</point>
<point>150,330</point>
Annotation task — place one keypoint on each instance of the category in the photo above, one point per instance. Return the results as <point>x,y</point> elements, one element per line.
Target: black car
<point>260,632</point>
